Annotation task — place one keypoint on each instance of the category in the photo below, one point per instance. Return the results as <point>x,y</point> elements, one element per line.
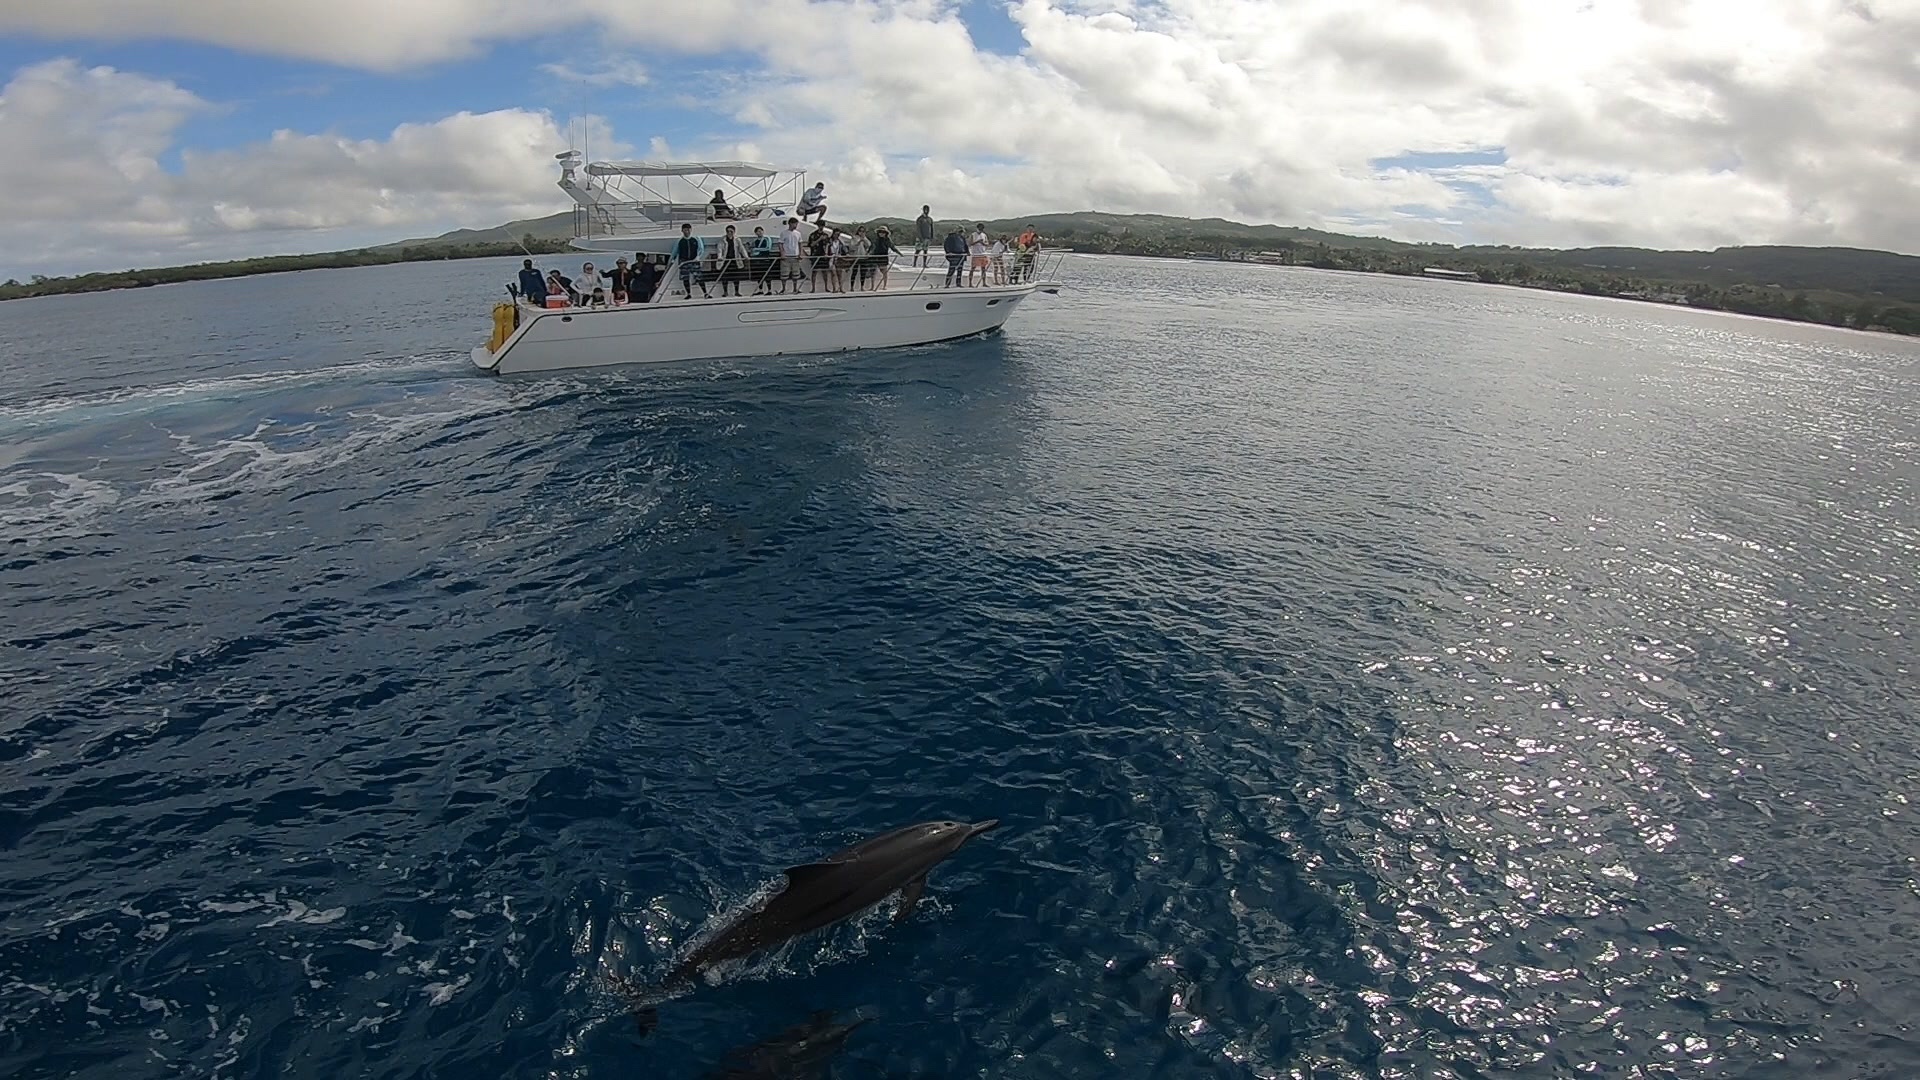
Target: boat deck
<point>763,278</point>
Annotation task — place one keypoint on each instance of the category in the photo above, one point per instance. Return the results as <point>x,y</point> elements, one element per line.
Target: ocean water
<point>1374,678</point>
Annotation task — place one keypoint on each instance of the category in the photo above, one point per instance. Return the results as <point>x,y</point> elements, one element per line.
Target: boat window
<point>993,301</point>
<point>935,306</point>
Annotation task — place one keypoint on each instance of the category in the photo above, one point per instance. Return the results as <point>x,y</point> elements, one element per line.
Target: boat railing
<point>939,270</point>
<point>900,271</point>
<point>613,220</point>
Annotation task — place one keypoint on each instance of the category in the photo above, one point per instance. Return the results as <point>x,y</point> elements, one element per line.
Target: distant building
<point>1435,271</point>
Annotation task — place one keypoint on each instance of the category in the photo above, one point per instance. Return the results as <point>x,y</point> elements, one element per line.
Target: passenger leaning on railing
<point>730,262</point>
<point>620,280</point>
<point>591,287</point>
<point>883,252</point>
<point>532,285</point>
<point>642,279</point>
<point>791,270</point>
<point>859,249</point>
<point>956,249</point>
<point>977,250</point>
<point>1029,246</point>
<point>820,250</point>
<point>761,252</point>
<point>687,251</point>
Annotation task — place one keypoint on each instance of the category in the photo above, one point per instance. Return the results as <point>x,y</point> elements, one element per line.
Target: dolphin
<point>802,1051</point>
<point>816,895</point>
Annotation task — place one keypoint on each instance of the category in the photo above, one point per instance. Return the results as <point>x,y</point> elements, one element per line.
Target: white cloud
<point>375,34</point>
<point>1678,123</point>
<point>87,184</point>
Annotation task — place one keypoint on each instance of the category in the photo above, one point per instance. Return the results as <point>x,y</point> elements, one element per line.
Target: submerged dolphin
<point>798,1053</point>
<point>819,894</point>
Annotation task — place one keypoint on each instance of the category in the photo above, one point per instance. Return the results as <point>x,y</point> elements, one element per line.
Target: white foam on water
<point>228,908</point>
<point>273,456</point>
<point>40,505</point>
<point>398,940</point>
<point>298,912</point>
<point>441,993</point>
<point>802,955</point>
<point>134,400</point>
<point>371,1023</point>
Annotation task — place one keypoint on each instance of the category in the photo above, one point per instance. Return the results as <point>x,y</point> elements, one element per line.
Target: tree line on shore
<point>41,285</point>
<point>1828,306</point>
<point>1836,287</point>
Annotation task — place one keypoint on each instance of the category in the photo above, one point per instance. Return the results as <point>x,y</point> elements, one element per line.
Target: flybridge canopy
<point>635,203</point>
<point>743,170</point>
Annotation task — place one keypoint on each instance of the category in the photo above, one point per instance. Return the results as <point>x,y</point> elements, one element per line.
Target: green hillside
<point>553,227</point>
<point>1836,269</point>
<point>1850,287</point>
<point>1161,229</point>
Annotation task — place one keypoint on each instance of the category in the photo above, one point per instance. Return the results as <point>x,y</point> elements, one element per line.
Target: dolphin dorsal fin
<point>806,872</point>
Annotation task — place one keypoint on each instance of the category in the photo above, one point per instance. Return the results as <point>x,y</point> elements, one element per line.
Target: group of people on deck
<point>825,259</point>
<point>636,283</point>
<point>983,257</point>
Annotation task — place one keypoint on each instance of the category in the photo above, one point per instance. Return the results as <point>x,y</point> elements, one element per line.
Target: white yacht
<point>835,305</point>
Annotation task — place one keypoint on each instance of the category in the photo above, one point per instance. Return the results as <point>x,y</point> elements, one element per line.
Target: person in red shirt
<point>1029,246</point>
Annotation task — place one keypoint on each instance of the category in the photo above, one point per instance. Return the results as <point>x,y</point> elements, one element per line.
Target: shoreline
<point>1674,293</point>
<point>1760,302</point>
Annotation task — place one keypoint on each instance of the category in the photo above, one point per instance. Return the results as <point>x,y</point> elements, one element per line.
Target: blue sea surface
<point>1374,678</point>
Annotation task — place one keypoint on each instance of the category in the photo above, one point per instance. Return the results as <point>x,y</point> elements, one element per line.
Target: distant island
<point>1849,287</point>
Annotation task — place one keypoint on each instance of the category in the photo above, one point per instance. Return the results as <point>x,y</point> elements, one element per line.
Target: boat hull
<point>806,323</point>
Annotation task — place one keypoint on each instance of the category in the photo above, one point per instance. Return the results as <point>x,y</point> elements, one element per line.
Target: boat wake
<point>122,402</point>
<point>192,470</point>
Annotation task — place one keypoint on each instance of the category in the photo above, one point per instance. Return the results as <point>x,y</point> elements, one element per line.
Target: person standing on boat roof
<point>687,251</point>
<point>922,235</point>
<point>815,202</point>
<point>532,285</point>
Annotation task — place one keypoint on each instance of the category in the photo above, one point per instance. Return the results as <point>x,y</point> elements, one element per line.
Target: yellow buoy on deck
<point>505,315</point>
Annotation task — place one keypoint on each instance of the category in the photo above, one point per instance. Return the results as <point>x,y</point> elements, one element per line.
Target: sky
<point>152,132</point>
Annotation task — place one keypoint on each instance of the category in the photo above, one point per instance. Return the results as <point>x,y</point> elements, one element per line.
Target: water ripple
<point>1377,678</point>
